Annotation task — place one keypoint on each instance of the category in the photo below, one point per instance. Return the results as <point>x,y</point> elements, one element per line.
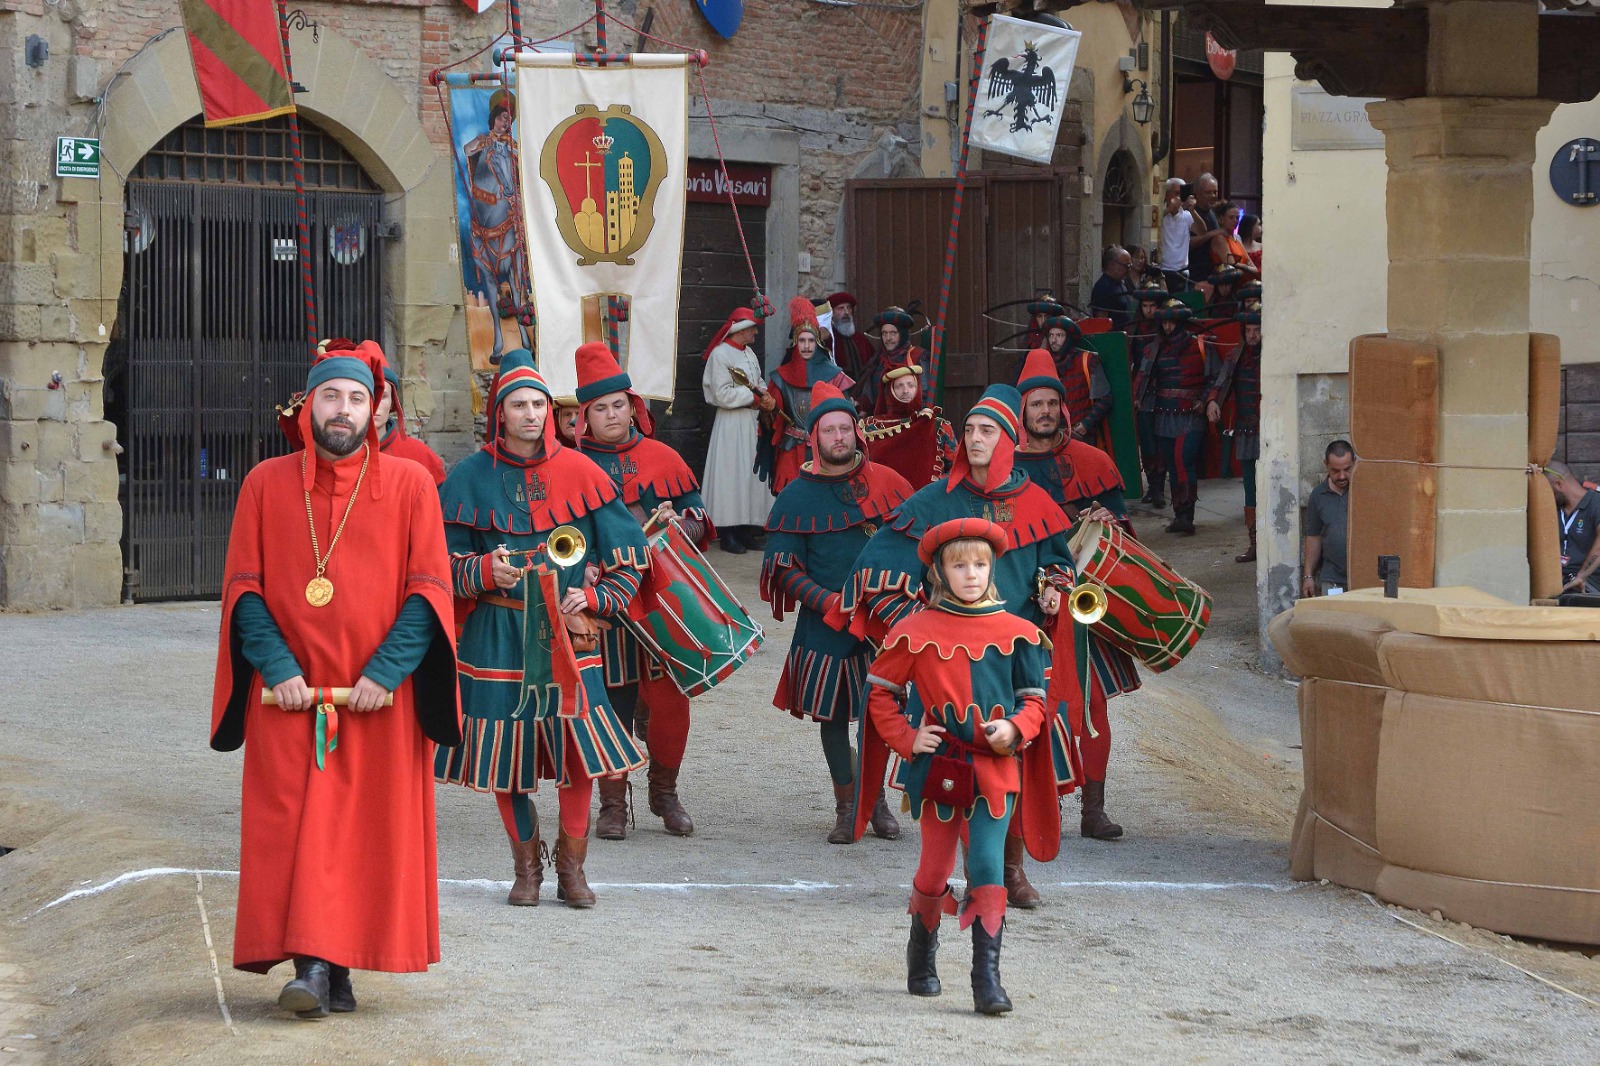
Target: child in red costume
<point>973,676</point>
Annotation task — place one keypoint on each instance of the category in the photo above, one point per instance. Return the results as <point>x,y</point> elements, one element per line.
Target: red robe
<point>339,863</point>
<point>404,445</point>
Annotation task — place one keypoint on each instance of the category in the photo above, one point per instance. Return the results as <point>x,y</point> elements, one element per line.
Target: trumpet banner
<point>604,159</point>
<point>1027,67</point>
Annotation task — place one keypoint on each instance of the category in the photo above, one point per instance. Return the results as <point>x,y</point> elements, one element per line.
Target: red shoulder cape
<point>402,444</point>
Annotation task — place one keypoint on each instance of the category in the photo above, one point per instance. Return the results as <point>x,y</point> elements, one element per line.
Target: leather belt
<point>502,601</point>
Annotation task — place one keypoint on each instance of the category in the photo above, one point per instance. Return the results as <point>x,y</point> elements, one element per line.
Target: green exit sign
<point>77,157</point>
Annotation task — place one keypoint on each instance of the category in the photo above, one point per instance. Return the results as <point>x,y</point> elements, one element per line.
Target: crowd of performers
<point>473,629</point>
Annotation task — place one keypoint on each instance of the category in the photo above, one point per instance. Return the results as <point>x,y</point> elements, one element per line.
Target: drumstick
<point>339,697</point>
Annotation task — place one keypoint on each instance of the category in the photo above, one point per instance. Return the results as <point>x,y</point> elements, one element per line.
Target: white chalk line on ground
<point>216,970</point>
<point>135,876</point>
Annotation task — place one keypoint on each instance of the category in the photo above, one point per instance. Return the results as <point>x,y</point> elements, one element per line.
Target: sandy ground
<point>753,940</point>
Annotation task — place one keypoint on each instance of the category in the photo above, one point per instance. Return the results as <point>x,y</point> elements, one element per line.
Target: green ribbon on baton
<point>327,726</point>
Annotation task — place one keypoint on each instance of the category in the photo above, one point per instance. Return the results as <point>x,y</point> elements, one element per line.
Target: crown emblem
<point>603,143</point>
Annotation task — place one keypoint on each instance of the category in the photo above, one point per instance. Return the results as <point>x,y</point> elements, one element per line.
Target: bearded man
<point>894,331</point>
<point>336,577</point>
<point>851,349</point>
<point>807,363</point>
<point>818,525</point>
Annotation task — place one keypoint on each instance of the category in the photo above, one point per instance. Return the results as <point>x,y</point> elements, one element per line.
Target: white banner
<point>1022,91</point>
<point>604,158</point>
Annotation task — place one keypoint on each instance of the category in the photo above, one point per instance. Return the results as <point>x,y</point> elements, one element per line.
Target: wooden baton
<point>341,697</point>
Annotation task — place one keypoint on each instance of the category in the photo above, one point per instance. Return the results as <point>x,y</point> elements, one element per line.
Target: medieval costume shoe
<point>341,993</point>
<point>307,994</point>
<point>988,997</point>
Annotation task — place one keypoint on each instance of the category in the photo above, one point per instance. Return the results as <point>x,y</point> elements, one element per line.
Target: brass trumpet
<point>1087,603</point>
<point>565,545</point>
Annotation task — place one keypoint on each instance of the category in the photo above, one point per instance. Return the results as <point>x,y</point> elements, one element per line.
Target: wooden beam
<point>1568,46</point>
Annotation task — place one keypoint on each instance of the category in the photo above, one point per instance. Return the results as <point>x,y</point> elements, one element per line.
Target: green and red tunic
<point>818,525</point>
<point>492,498</point>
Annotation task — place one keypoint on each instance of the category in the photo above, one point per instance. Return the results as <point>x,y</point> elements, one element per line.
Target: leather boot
<point>731,543</point>
<point>1249,554</point>
<point>664,802</point>
<point>341,993</point>
<point>1182,520</point>
<point>572,887</point>
<point>612,823</point>
<point>884,825</point>
<point>988,997</point>
<point>922,977</point>
<point>844,802</point>
<point>754,537</point>
<point>307,994</point>
<point>1095,824</point>
<point>530,873</point>
<point>1019,893</point>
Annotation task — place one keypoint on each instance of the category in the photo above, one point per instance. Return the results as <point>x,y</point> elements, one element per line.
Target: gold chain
<point>322,561</point>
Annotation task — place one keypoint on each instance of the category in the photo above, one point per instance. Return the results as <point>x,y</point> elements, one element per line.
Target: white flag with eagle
<point>1022,91</point>
<point>604,152</point>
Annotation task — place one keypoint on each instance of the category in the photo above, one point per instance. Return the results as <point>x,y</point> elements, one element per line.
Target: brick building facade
<point>819,94</point>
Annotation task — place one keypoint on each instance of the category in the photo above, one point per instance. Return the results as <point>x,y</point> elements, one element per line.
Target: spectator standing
<point>1176,224</point>
<point>1109,297</point>
<point>1138,268</point>
<point>1326,523</point>
<point>1250,238</point>
<point>1204,228</point>
<point>1579,519</point>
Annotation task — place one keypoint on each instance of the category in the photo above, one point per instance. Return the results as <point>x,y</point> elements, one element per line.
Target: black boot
<point>753,536</point>
<point>987,995</point>
<point>1182,519</point>
<point>922,978</point>
<point>730,542</point>
<point>307,994</point>
<point>341,993</point>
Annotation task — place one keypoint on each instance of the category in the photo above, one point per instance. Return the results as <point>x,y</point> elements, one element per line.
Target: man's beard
<point>1043,427</point>
<point>839,454</point>
<point>337,440</point>
<point>844,327</point>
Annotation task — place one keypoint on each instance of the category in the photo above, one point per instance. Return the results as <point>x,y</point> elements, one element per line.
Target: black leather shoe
<point>730,544</point>
<point>922,978</point>
<point>753,536</point>
<point>341,994</point>
<point>987,995</point>
<point>307,994</point>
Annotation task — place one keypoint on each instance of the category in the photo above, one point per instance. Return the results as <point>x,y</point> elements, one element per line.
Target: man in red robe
<point>392,436</point>
<point>851,348</point>
<point>336,577</point>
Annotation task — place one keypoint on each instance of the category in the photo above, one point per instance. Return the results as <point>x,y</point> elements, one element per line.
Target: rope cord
<point>936,344</point>
<point>1531,469</point>
<point>297,160</point>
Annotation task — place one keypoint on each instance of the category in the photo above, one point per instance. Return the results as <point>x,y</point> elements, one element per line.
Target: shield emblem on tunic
<point>522,487</point>
<point>604,169</point>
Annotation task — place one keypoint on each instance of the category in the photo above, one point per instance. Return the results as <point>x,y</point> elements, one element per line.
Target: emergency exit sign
<point>77,157</point>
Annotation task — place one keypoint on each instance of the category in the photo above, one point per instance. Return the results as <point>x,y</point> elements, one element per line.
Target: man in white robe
<point>736,498</point>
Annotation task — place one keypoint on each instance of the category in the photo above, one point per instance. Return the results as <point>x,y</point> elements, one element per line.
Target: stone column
<point>1460,211</point>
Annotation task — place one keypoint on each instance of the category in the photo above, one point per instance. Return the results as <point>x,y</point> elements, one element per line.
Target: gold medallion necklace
<point>319,590</point>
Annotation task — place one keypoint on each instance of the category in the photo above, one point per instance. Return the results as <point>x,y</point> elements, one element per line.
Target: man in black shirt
<point>1579,518</point>
<point>1204,228</point>
<point>1109,298</point>
<point>1327,513</point>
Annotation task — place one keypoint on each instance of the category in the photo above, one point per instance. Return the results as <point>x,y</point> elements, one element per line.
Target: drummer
<point>887,582</point>
<point>614,429</point>
<point>501,506</point>
<point>1084,481</point>
<point>817,525</point>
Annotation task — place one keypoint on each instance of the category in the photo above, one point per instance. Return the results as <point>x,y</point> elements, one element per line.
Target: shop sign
<point>751,183</point>
<point>1222,60</point>
<point>1319,122</point>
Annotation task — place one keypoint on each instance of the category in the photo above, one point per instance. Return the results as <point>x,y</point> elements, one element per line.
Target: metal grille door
<point>215,332</point>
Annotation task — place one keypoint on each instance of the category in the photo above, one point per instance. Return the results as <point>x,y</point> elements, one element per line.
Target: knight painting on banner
<point>494,260</point>
<point>604,158</point>
<point>1027,67</point>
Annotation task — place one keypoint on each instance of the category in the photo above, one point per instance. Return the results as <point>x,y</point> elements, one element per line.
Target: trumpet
<point>1087,603</point>
<point>565,545</point>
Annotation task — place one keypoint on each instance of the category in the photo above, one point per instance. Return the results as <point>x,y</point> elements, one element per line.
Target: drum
<point>1153,613</point>
<point>687,618</point>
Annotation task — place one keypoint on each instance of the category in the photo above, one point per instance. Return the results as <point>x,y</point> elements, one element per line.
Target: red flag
<point>238,60</point>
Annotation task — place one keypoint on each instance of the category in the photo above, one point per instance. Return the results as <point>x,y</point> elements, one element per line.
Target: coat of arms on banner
<point>604,172</point>
<point>1027,68</point>
<point>494,258</point>
<point>603,169</point>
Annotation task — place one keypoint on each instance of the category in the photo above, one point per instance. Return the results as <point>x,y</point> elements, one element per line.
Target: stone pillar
<point>1460,211</point>
<point>941,44</point>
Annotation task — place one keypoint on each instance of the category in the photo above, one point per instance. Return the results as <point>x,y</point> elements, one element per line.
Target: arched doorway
<point>1119,201</point>
<point>211,333</point>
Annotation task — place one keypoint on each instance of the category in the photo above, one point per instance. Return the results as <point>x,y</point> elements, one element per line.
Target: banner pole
<point>936,343</point>
<point>600,26</point>
<point>303,233</point>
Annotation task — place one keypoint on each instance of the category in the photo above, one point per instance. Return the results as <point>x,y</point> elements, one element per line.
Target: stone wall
<point>844,79</point>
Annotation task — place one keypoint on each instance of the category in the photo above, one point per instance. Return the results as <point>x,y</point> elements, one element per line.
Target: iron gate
<point>213,321</point>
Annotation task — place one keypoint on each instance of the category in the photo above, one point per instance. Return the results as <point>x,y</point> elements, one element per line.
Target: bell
<point>1087,603</point>
<point>565,545</point>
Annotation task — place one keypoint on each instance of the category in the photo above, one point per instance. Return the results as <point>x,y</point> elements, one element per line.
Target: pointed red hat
<point>599,374</point>
<point>1039,372</point>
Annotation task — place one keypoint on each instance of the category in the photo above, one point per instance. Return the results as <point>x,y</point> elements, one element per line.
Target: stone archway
<point>1122,155</point>
<point>350,96</point>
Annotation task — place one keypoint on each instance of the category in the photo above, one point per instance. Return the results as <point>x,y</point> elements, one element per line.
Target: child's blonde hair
<point>960,550</point>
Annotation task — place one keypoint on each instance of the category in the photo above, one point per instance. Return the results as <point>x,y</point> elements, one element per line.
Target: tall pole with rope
<point>936,344</point>
<point>297,166</point>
